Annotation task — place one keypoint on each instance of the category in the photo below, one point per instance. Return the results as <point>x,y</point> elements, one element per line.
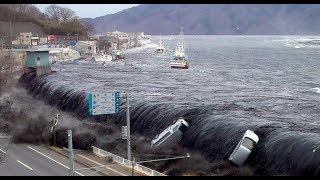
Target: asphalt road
<point>30,160</point>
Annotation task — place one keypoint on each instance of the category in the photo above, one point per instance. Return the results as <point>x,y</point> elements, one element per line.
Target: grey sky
<point>91,10</point>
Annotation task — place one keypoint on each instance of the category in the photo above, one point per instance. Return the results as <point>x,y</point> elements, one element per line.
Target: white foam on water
<point>316,90</point>
<point>153,94</point>
<point>137,49</point>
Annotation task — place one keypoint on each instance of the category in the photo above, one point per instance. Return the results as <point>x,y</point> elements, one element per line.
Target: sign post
<point>104,103</point>
<point>109,103</point>
<point>70,149</point>
<point>52,38</point>
<point>128,127</point>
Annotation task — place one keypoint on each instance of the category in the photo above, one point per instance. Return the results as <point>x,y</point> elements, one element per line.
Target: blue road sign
<point>104,103</point>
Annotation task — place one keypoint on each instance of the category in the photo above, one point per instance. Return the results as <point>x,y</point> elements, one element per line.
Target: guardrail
<point>127,163</point>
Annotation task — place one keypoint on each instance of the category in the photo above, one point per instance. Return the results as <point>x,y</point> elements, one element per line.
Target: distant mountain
<point>206,19</point>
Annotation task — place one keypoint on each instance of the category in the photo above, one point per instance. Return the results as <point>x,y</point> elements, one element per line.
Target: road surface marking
<point>3,151</point>
<point>53,160</point>
<point>25,165</point>
<point>3,137</point>
<point>102,165</point>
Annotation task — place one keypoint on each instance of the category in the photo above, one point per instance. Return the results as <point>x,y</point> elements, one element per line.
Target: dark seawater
<point>269,84</point>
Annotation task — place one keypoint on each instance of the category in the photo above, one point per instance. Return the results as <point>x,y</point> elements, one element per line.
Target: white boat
<point>145,41</point>
<point>118,54</point>
<point>160,48</point>
<point>180,59</point>
<point>102,57</point>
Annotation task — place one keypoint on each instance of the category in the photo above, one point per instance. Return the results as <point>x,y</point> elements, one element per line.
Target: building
<point>43,40</point>
<point>35,41</point>
<point>28,39</point>
<point>64,54</point>
<point>38,61</point>
<point>87,47</point>
<point>138,35</point>
<point>25,38</point>
<point>118,34</point>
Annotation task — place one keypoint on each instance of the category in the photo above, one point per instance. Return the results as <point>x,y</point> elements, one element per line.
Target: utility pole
<point>70,149</point>
<point>133,164</point>
<point>10,35</point>
<point>77,37</point>
<point>53,129</point>
<point>128,127</point>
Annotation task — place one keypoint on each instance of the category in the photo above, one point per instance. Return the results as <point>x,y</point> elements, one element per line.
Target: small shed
<point>39,60</point>
<point>35,41</point>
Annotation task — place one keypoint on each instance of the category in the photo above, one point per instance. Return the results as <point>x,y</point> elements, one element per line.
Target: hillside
<point>28,18</point>
<point>18,27</point>
<point>21,22</point>
<point>214,19</point>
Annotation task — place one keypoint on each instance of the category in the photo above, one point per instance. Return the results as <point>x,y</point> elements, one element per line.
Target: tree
<point>59,14</point>
<point>53,11</point>
<point>89,28</point>
<point>7,66</point>
<point>67,14</point>
<point>103,44</point>
<point>29,9</point>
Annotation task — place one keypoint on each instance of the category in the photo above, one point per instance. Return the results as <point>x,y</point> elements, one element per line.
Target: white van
<point>242,151</point>
<point>172,135</point>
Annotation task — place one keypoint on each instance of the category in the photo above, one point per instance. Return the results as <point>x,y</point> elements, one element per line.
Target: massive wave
<point>283,148</point>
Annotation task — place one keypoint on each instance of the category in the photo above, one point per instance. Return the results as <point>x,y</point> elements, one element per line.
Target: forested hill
<point>28,18</point>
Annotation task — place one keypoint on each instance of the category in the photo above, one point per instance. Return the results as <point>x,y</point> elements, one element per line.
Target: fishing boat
<point>160,48</point>
<point>179,59</point>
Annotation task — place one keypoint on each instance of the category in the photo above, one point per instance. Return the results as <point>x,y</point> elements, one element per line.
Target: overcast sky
<point>91,10</point>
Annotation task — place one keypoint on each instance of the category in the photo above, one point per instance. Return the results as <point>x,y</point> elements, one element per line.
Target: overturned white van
<point>172,135</point>
<point>242,151</point>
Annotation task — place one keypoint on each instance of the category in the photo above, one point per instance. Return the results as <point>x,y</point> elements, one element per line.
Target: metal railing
<point>127,163</point>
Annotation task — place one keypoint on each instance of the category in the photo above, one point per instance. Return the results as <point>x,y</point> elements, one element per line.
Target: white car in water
<point>242,151</point>
<point>172,135</point>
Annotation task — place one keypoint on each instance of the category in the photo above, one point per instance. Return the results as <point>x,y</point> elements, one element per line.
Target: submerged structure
<point>38,61</point>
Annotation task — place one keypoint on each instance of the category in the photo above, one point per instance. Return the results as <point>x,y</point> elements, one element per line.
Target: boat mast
<point>182,40</point>
<point>160,42</point>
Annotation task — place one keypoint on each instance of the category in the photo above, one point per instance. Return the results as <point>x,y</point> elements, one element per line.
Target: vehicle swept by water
<point>172,135</point>
<point>244,148</point>
<point>160,48</point>
<point>180,59</point>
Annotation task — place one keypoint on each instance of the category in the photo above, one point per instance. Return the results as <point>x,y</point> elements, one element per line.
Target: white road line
<point>53,160</point>
<point>4,137</point>
<point>25,165</point>
<point>3,151</point>
<point>102,165</point>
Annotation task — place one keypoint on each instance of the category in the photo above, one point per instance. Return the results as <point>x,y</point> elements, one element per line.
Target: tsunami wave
<point>284,148</point>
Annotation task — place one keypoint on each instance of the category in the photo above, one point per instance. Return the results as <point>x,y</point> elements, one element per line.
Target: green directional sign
<point>104,103</point>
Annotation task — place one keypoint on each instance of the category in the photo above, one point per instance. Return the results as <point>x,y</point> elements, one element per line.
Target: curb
<point>80,162</point>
